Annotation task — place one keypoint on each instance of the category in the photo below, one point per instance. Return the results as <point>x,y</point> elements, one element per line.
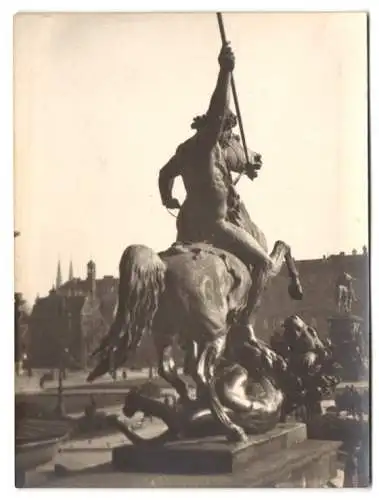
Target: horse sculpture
<point>197,294</point>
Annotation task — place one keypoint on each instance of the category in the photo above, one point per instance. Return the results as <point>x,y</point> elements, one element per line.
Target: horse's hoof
<point>295,290</point>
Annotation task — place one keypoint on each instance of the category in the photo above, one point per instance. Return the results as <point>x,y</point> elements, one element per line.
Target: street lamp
<point>63,354</point>
<point>112,363</point>
<point>60,409</point>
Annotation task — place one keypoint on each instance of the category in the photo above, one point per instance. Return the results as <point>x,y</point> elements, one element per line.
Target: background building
<point>318,278</point>
<point>78,312</point>
<point>21,332</point>
<point>74,316</point>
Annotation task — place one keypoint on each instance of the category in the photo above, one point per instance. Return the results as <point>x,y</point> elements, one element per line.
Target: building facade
<point>21,332</point>
<point>77,313</point>
<point>72,318</point>
<point>318,278</point>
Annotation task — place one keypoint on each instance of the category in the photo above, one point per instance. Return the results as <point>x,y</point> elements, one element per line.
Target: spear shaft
<point>235,96</point>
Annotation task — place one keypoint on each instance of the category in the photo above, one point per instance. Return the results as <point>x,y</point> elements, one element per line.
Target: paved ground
<point>79,456</point>
<point>76,383</point>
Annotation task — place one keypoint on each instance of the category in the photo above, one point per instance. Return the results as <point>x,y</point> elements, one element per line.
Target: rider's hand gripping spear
<point>235,97</point>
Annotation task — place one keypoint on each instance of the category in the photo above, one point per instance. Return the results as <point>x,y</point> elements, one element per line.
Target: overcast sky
<point>102,101</point>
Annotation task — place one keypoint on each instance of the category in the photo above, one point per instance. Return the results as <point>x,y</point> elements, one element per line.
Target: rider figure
<point>345,279</point>
<point>203,162</point>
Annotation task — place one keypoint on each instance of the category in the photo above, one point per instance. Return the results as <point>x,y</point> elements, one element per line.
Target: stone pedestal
<point>282,457</point>
<point>349,345</point>
<point>211,455</point>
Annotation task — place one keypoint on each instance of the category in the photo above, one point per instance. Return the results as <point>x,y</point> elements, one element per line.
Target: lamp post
<point>60,409</point>
<point>63,354</point>
<point>112,364</point>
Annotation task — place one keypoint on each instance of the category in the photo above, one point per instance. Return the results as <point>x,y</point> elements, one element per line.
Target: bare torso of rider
<point>202,163</point>
<point>207,179</point>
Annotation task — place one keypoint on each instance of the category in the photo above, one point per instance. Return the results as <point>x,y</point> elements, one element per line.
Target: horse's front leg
<point>281,253</point>
<point>294,288</point>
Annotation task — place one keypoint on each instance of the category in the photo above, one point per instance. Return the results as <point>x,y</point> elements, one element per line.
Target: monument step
<point>311,464</point>
<point>207,455</point>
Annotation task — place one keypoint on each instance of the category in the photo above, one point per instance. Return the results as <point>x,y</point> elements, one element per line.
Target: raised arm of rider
<point>166,179</point>
<point>210,134</point>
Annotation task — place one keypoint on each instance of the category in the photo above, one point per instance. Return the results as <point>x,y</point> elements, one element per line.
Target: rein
<point>172,214</point>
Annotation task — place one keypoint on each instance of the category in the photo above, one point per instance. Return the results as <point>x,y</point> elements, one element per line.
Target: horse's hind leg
<point>168,371</point>
<point>206,366</point>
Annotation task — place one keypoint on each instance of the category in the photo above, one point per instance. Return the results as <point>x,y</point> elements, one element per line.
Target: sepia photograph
<point>192,250</point>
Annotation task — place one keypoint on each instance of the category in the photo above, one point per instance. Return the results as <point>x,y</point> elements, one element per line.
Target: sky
<point>103,100</point>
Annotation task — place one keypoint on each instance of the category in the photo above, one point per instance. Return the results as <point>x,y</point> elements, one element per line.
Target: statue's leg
<point>167,368</point>
<point>236,240</point>
<point>259,278</point>
<point>190,357</point>
<point>191,368</point>
<point>350,302</point>
<point>295,289</point>
<point>207,363</point>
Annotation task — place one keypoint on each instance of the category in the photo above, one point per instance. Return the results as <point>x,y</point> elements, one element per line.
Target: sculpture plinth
<point>211,455</point>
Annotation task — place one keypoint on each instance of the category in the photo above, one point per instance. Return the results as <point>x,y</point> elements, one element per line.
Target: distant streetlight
<point>63,354</point>
<point>60,409</point>
<point>112,363</point>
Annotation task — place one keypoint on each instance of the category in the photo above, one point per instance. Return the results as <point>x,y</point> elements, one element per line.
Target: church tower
<point>91,277</point>
<point>58,280</point>
<point>70,272</point>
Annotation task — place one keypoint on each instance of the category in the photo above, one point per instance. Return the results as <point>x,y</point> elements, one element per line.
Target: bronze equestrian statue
<point>345,294</point>
<point>205,289</point>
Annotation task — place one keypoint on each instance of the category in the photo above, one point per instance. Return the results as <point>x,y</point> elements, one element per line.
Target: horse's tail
<point>142,282</point>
